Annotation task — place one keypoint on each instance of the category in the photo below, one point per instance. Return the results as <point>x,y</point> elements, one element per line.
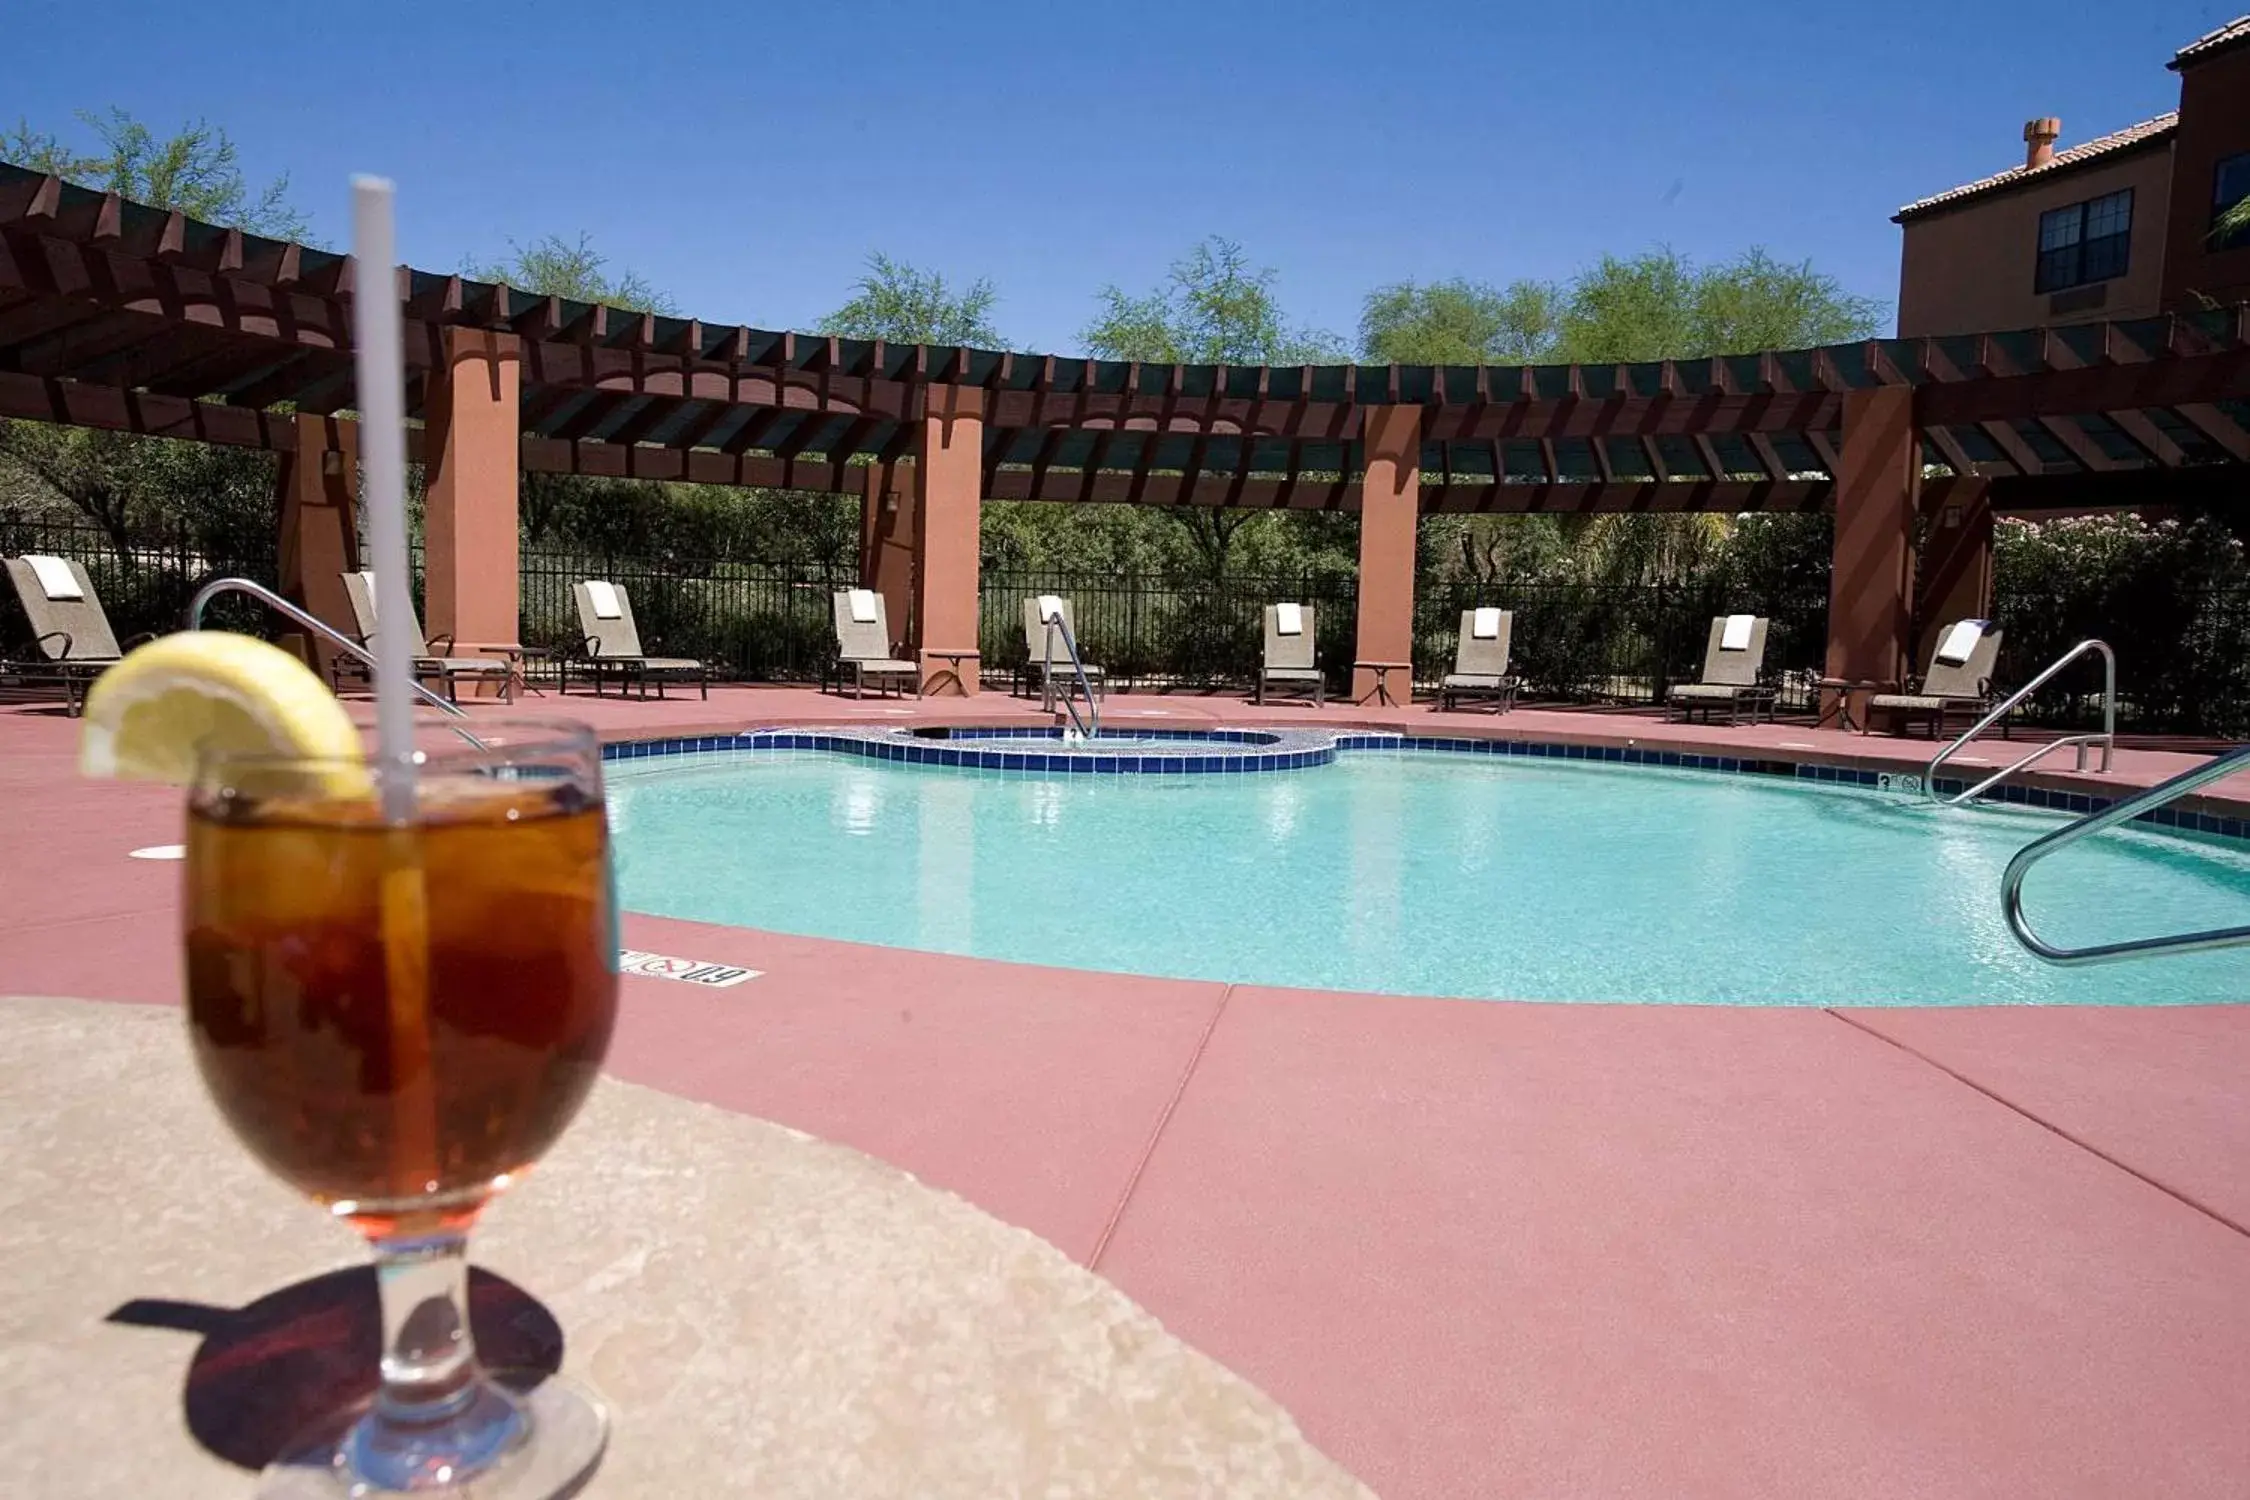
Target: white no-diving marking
<point>160,851</point>
<point>686,970</point>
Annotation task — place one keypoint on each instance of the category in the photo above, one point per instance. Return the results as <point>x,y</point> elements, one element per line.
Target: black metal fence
<point>2183,655</point>
<point>757,621</point>
<point>2183,646</point>
<point>1166,631</point>
<point>1573,642</point>
<point>1620,643</point>
<point>146,581</point>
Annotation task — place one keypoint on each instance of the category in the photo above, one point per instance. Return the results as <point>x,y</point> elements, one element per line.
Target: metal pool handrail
<point>2011,882</point>
<point>1090,724</point>
<point>2107,739</point>
<point>322,628</point>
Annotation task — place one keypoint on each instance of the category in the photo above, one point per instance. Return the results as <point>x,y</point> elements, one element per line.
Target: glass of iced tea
<point>398,1017</point>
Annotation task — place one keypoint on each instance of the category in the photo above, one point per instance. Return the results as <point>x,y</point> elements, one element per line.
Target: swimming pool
<point>1423,873</point>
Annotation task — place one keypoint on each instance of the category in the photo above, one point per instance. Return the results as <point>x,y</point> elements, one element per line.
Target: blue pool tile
<point>1011,762</point>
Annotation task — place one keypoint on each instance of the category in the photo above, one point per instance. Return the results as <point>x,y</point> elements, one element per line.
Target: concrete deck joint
<point>2186,1199</point>
<point>1163,1118</point>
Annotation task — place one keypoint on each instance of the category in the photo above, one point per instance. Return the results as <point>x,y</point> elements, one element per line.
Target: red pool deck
<point>1479,1249</point>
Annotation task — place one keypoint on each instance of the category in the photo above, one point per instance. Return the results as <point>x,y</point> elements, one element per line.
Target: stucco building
<point>2120,226</point>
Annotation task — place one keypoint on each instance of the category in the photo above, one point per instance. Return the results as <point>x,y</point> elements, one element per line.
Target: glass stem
<point>429,1354</point>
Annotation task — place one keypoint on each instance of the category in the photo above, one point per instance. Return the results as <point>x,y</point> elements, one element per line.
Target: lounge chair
<point>1480,660</point>
<point>1959,679</point>
<point>1035,646</point>
<point>439,663</point>
<point>610,645</point>
<point>1292,658</point>
<point>863,645</point>
<point>1733,660</point>
<point>70,633</point>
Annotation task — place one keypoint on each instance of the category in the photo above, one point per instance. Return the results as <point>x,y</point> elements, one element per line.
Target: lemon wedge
<point>202,692</point>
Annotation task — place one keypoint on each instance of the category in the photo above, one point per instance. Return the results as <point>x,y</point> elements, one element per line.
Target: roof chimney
<point>2040,136</point>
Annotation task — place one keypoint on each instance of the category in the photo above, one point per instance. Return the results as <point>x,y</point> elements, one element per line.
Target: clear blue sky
<point>747,157</point>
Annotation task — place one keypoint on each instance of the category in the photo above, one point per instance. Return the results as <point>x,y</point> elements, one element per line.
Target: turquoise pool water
<point>1423,873</point>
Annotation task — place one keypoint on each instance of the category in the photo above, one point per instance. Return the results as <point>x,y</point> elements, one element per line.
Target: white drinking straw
<point>380,364</point>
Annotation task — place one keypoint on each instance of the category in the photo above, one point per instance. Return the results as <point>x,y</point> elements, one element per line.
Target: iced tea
<point>396,1019</point>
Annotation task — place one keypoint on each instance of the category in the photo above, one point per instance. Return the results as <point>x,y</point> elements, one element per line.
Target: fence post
<point>1660,679</point>
<point>1133,626</point>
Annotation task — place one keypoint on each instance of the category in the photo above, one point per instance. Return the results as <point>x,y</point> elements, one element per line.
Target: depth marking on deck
<point>687,970</point>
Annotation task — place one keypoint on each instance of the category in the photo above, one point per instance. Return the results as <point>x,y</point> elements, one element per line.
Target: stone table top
<point>766,1313</point>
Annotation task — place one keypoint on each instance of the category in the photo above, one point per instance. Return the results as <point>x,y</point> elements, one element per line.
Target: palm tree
<point>2235,220</point>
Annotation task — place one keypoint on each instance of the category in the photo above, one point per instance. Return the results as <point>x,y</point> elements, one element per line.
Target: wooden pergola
<point>120,316</point>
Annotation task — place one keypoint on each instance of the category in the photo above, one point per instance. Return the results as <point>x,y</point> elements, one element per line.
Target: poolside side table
<point>1838,695</point>
<point>953,671</point>
<point>1382,695</point>
<point>519,665</point>
<point>752,1304</point>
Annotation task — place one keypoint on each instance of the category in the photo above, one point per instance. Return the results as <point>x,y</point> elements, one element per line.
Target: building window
<point>2084,242</point>
<point>2230,185</point>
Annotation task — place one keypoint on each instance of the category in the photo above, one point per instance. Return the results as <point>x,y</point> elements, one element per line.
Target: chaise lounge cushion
<point>1930,701</point>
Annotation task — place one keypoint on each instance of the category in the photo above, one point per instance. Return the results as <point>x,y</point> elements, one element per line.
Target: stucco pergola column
<point>319,542</point>
<point>948,501</point>
<point>1953,580</point>
<point>471,442</point>
<point>1390,509</point>
<point>886,542</point>
<point>1878,478</point>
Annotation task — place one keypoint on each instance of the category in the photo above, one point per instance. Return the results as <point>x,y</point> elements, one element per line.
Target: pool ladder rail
<point>1089,724</point>
<point>2011,881</point>
<point>325,631</point>
<point>2123,810</point>
<point>2107,738</point>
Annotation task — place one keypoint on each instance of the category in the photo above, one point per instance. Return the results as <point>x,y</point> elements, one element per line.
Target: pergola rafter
<point>120,316</point>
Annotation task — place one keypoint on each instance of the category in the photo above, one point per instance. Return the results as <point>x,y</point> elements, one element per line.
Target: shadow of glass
<point>268,1372</point>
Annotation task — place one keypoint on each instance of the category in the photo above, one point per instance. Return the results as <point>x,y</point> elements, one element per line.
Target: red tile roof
<point>2147,133</point>
<point>2234,34</point>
